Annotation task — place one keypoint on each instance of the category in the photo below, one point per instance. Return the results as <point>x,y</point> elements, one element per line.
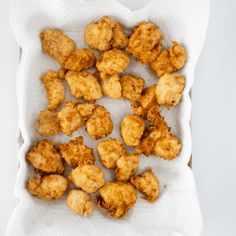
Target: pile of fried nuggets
<point>108,37</point>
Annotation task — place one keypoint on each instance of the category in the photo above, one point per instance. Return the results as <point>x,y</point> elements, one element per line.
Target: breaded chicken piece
<point>132,127</point>
<point>55,89</point>
<point>105,34</point>
<point>112,62</point>
<point>80,59</point>
<point>99,124</point>
<point>57,44</point>
<point>49,187</point>
<point>126,167</point>
<point>111,86</point>
<point>132,87</point>
<point>145,42</point>
<point>80,202</point>
<point>109,152</point>
<point>168,147</point>
<point>87,177</point>
<point>47,123</point>
<point>86,109</point>
<point>170,60</point>
<point>148,184</point>
<point>84,85</point>
<point>76,153</point>
<point>45,158</point>
<point>117,198</point>
<point>70,118</point>
<point>169,90</point>
<point>153,113</point>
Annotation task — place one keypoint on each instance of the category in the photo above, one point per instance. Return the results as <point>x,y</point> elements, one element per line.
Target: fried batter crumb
<point>80,59</point>
<point>87,177</point>
<point>169,89</point>
<point>47,123</point>
<point>49,187</point>
<point>80,202</point>
<point>116,198</point>
<point>99,124</point>
<point>148,184</point>
<point>145,42</point>
<point>132,127</point>
<point>132,87</point>
<point>57,44</point>
<point>76,153</point>
<point>55,89</point>
<point>169,61</point>
<point>86,109</point>
<point>126,167</point>
<point>45,158</point>
<point>84,85</point>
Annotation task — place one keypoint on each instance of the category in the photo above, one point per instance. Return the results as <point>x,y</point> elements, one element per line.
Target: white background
<point>213,120</point>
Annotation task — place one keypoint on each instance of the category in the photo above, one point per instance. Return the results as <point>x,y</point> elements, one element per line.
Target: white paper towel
<point>177,211</point>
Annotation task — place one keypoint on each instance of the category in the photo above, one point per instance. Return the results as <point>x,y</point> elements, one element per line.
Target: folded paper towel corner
<point>177,212</point>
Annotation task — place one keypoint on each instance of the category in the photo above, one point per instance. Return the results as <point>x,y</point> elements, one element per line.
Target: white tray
<point>177,211</point>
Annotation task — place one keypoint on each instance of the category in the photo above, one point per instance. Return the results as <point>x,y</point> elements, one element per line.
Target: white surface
<point>213,133</point>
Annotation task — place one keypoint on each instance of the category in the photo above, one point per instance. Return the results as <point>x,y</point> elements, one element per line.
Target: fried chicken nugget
<point>132,128</point>
<point>148,184</point>
<point>105,34</point>
<point>112,62</point>
<point>44,157</point>
<point>110,150</point>
<point>111,86</point>
<point>170,60</point>
<point>70,118</point>
<point>117,198</point>
<point>126,166</point>
<point>80,59</point>
<point>47,123</point>
<point>167,147</point>
<point>84,85</point>
<point>145,42</point>
<point>57,44</point>
<point>99,124</point>
<point>76,153</point>
<point>55,89</point>
<point>86,109</point>
<point>87,177</point>
<point>169,90</point>
<point>132,87</point>
<point>49,187</point>
<point>80,202</point>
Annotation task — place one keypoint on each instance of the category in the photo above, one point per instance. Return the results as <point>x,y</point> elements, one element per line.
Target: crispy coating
<point>80,59</point>
<point>84,85</point>
<point>145,42</point>
<point>148,184</point>
<point>99,124</point>
<point>105,34</point>
<point>49,187</point>
<point>87,177</point>
<point>109,152</point>
<point>132,87</point>
<point>55,89</point>
<point>111,86</point>
<point>153,112</point>
<point>117,198</point>
<point>132,127</point>
<point>112,62</point>
<point>70,118</point>
<point>80,202</point>
<point>169,89</point>
<point>76,153</point>
<point>167,147</point>
<point>57,44</point>
<point>170,60</point>
<point>86,109</point>
<point>47,123</point>
<point>126,167</point>
<point>61,73</point>
<point>44,157</point>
